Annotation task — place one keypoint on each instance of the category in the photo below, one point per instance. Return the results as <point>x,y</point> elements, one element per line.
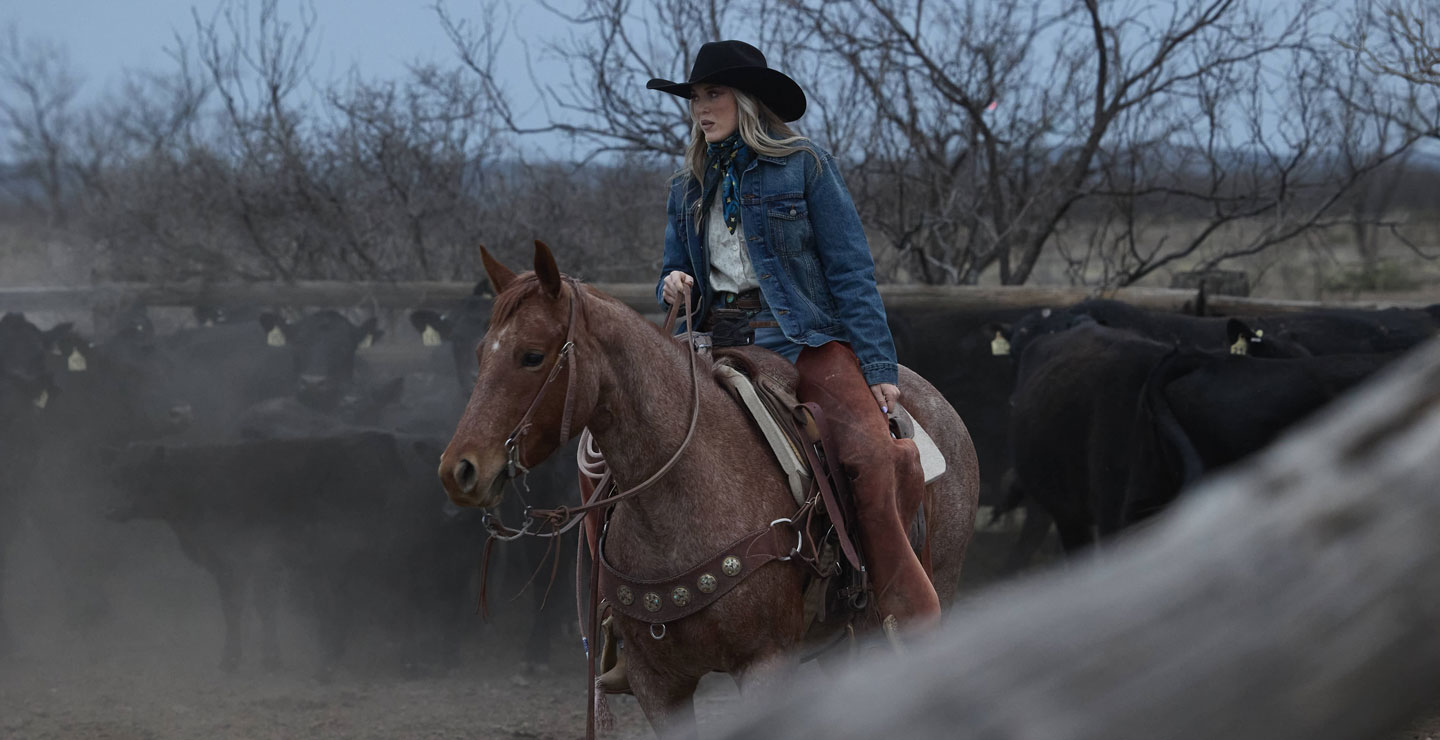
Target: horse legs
<point>668,701</point>
<point>766,676</point>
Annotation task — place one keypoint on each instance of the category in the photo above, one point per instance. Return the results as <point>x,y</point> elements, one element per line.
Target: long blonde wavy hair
<point>759,127</point>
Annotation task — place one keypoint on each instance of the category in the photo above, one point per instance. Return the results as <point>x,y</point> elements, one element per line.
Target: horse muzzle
<point>470,481</point>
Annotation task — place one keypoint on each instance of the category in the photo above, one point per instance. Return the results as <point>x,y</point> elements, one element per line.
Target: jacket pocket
<point>789,224</point>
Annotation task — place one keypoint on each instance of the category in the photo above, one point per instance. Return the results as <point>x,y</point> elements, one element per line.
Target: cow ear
<point>546,270</point>
<point>433,327</point>
<point>1239,336</point>
<point>500,275</point>
<point>999,338</point>
<point>275,329</point>
<point>368,333</point>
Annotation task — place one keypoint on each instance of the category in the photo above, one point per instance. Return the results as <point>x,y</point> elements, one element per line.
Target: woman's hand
<point>886,394</point>
<point>674,286</point>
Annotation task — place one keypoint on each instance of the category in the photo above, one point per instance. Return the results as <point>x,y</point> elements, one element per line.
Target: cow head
<point>26,387</point>
<point>323,346</point>
<point>1243,340</point>
<point>462,328</point>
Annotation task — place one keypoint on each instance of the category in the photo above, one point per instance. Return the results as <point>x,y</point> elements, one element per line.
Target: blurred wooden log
<point>1297,597</point>
<point>641,296</point>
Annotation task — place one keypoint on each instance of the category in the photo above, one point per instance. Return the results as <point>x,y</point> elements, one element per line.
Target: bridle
<point>558,521</point>
<point>514,466</point>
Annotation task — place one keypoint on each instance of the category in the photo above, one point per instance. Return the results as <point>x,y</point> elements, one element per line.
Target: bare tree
<point>37,115</point>
<point>1128,138</point>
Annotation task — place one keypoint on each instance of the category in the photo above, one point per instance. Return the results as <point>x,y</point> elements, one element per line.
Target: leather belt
<point>749,300</point>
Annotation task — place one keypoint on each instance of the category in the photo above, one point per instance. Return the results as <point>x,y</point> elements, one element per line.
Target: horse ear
<point>546,270</point>
<point>500,275</point>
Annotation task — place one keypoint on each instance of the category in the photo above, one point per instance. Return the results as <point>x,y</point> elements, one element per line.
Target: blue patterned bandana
<point>727,160</point>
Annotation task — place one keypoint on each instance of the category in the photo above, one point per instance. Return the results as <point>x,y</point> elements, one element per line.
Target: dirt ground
<point>148,671</point>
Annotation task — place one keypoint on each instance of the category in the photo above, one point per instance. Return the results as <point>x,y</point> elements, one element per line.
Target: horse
<point>631,384</point>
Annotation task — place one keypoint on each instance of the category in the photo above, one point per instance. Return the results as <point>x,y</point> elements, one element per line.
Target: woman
<point>761,226</point>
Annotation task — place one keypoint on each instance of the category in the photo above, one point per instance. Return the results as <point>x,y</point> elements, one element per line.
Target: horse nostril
<point>465,475</point>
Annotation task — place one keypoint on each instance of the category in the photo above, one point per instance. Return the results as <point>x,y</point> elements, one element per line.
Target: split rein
<point>554,523</point>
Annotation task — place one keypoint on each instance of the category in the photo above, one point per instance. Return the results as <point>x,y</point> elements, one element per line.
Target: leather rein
<point>550,523</point>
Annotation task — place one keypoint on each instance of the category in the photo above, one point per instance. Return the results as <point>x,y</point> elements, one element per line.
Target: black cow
<point>527,562</point>
<point>351,523</point>
<point>221,368</point>
<point>461,328</point>
<point>322,347</point>
<point>1108,425</point>
<point>26,391</point>
<point>1317,332</point>
<point>1074,405</point>
<point>111,393</point>
<point>1199,412</point>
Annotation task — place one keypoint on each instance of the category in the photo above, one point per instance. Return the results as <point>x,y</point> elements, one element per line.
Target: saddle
<point>764,384</point>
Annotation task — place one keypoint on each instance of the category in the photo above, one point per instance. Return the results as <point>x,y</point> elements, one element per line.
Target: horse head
<point>517,412</point>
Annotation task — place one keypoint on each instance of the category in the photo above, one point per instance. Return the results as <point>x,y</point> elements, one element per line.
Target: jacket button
<point>765,276</point>
<point>792,211</point>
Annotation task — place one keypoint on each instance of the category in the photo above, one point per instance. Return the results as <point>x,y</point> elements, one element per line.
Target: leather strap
<point>676,597</point>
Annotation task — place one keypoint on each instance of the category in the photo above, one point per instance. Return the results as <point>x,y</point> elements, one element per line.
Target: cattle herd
<point>298,473</point>
<point>284,464</point>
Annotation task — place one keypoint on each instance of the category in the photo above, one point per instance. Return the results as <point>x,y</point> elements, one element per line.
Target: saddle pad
<point>797,474</point>
<point>931,461</point>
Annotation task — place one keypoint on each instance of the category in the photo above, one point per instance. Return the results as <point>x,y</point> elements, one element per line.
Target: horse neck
<point>643,410</point>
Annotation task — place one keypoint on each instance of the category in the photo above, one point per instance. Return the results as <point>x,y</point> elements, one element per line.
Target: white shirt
<point>730,267</point>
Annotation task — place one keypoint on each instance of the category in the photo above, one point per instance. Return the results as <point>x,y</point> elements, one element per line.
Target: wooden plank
<point>1296,597</point>
<point>434,294</point>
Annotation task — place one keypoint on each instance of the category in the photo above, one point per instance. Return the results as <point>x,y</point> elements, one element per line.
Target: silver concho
<point>731,565</point>
<point>707,583</point>
<point>652,601</point>
<point>681,596</point>
<point>625,595</point>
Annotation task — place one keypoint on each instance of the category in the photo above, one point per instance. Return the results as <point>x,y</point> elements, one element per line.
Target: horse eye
<point>531,359</point>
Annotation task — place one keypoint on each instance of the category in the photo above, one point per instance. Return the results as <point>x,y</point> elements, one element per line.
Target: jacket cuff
<point>881,372</point>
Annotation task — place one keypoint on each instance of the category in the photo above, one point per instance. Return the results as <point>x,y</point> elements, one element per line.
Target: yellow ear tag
<point>42,399</point>
<point>275,338</point>
<point>999,346</point>
<point>367,341</point>
<point>430,337</point>
<point>76,362</point>
<point>1240,347</point>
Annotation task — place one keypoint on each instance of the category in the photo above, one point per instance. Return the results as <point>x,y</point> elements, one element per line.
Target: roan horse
<point>630,384</point>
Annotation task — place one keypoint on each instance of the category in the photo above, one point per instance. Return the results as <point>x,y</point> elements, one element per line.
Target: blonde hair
<point>761,130</point>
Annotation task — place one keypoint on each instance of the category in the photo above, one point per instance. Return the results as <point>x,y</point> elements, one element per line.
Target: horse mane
<point>527,285</point>
<point>523,287</point>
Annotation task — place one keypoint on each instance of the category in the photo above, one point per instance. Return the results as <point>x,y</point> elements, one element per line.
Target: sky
<point>377,36</point>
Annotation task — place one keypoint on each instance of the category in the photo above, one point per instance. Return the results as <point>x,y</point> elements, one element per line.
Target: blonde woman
<point>762,229</point>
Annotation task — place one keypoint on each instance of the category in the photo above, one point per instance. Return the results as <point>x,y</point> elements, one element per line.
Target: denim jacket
<point>808,250</point>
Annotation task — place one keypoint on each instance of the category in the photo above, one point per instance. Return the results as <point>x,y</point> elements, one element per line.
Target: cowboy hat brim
<point>778,92</point>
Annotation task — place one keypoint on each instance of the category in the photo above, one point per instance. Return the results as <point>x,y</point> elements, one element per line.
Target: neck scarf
<point>727,160</point>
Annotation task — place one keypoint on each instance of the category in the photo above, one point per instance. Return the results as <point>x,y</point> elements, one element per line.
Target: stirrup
<point>617,679</point>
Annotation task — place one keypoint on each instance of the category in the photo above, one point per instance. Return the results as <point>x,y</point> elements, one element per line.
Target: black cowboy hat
<point>741,66</point>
